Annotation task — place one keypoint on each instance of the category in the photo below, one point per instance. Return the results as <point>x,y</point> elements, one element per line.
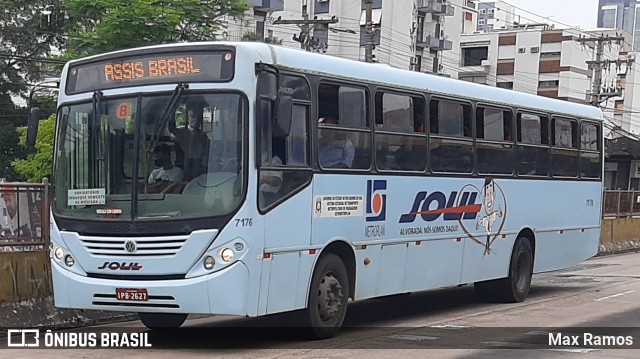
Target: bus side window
<point>298,137</point>
<point>400,141</point>
<point>343,134</point>
<point>284,153</point>
<point>533,145</point>
<point>494,141</point>
<point>451,145</point>
<point>590,158</point>
<point>564,154</point>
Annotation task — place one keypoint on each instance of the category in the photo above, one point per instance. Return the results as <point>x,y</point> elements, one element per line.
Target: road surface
<point>600,296</point>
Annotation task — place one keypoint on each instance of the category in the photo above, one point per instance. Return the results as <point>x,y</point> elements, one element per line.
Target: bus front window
<point>188,166</point>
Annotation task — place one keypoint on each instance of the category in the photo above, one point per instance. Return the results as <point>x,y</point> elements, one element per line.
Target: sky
<point>581,13</point>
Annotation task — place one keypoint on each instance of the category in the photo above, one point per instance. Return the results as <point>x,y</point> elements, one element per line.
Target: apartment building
<point>621,15</point>
<point>252,24</point>
<point>494,14</point>
<point>534,59</point>
<point>410,34</point>
<point>552,63</point>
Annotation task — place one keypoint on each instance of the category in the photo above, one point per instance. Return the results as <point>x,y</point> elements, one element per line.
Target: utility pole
<point>369,37</point>
<point>598,96</point>
<point>306,26</point>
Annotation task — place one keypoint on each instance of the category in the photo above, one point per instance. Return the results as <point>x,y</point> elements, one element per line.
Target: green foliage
<point>108,25</point>
<point>39,163</point>
<point>9,151</point>
<point>11,117</point>
<point>28,31</point>
<point>252,36</point>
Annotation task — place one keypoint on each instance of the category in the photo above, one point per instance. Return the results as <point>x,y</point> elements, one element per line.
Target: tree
<point>38,164</point>
<point>9,151</point>
<point>28,31</point>
<point>109,25</point>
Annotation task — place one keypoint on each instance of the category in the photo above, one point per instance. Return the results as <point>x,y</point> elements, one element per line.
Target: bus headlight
<point>226,254</point>
<point>69,261</point>
<point>209,262</point>
<point>58,253</point>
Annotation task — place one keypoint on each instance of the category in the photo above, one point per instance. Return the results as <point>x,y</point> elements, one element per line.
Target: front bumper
<point>222,292</point>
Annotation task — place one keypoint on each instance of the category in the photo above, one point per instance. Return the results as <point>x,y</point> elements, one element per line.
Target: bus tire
<point>328,297</point>
<point>160,321</point>
<point>515,287</point>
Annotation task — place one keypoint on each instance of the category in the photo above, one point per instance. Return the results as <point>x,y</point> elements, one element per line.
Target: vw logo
<point>130,246</point>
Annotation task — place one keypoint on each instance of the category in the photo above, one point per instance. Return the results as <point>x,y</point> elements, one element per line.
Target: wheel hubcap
<point>329,297</point>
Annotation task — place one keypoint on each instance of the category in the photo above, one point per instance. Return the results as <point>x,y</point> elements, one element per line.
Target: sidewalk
<point>618,247</point>
<point>40,313</point>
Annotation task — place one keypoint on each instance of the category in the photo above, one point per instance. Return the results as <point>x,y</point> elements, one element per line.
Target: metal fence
<point>24,216</point>
<point>620,204</point>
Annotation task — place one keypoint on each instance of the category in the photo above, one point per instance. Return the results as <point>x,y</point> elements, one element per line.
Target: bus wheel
<point>162,320</point>
<point>515,287</point>
<point>328,296</point>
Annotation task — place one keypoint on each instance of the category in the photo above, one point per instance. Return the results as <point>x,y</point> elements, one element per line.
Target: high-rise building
<point>534,59</point>
<point>494,14</point>
<point>621,14</point>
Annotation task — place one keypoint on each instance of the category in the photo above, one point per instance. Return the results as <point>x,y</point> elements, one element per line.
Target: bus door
<point>284,197</point>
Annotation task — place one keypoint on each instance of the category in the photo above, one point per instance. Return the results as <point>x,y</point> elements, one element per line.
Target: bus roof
<point>337,67</point>
<point>391,76</point>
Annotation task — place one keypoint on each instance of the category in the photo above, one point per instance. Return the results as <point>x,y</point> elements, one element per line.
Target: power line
<point>31,58</point>
<point>598,65</point>
<point>306,26</point>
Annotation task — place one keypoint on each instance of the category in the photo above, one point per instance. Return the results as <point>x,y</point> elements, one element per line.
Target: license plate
<point>138,295</point>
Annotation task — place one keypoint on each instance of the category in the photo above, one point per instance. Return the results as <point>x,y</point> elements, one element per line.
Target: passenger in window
<point>166,175</point>
<point>270,181</point>
<point>193,142</point>
<point>335,150</point>
<point>419,124</point>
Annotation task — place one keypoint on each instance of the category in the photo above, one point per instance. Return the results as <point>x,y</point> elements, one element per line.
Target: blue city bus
<point>248,179</point>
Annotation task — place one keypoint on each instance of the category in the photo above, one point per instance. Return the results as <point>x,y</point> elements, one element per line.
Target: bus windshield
<point>148,157</point>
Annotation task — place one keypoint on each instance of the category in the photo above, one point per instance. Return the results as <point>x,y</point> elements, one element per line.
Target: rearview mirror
<point>268,86</point>
<point>282,120</point>
<point>32,126</point>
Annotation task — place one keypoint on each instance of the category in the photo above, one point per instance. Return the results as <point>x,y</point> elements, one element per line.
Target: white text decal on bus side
<point>339,206</point>
<point>85,197</point>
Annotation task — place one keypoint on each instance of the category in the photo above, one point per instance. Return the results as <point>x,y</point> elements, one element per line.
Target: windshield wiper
<point>96,126</point>
<point>96,135</point>
<point>160,125</point>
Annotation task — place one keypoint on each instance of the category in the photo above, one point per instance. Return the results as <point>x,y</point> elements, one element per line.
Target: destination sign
<point>171,66</point>
<point>151,69</point>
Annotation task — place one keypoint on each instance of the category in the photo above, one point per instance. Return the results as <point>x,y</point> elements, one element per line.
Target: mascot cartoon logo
<point>492,216</point>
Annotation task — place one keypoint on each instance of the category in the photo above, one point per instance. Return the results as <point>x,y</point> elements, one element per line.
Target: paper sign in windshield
<point>85,197</point>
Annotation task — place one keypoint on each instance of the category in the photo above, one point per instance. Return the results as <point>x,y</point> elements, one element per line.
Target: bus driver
<point>166,173</point>
<point>335,149</point>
